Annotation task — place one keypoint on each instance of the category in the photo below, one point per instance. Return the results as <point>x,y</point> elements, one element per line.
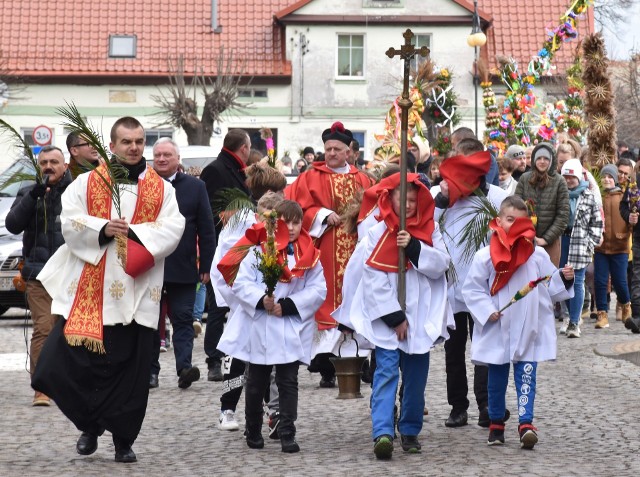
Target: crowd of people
<point>289,272</point>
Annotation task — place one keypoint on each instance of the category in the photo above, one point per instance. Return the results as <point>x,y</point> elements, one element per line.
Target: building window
<point>252,93</point>
<point>27,135</point>
<point>350,56</point>
<point>152,135</point>
<point>419,41</point>
<point>122,46</point>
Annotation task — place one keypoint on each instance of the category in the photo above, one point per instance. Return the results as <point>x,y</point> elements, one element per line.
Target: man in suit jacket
<point>226,172</point>
<point>182,271</point>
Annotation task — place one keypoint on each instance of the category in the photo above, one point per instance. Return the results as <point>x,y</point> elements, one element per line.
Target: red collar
<point>238,160</point>
<point>509,251</point>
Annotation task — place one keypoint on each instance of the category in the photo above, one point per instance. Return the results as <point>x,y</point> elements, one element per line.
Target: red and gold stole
<point>84,325</point>
<point>509,251</point>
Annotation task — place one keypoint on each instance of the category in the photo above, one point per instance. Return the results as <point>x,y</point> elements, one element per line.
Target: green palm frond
<point>18,141</point>
<point>117,174</point>
<point>232,206</point>
<point>474,234</point>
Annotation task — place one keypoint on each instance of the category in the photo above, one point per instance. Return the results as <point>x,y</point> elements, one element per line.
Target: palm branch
<point>232,206</point>
<point>473,235</point>
<point>117,175</point>
<point>19,142</point>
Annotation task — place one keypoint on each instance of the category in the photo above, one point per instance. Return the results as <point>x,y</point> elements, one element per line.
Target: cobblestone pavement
<point>586,410</point>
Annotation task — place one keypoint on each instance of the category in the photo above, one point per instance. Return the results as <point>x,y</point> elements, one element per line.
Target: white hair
<point>164,140</point>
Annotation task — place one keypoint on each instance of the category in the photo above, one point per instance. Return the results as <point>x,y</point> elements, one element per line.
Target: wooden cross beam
<point>406,52</point>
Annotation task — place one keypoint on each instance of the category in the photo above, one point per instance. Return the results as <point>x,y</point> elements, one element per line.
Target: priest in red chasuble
<point>324,191</point>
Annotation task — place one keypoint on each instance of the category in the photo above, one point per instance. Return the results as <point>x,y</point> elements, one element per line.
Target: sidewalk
<point>586,412</point>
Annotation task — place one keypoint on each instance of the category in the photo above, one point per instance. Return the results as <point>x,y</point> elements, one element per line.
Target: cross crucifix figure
<point>406,53</point>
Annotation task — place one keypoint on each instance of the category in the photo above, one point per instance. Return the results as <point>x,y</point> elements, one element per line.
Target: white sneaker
<point>564,325</point>
<point>573,331</point>
<point>227,421</point>
<point>197,328</point>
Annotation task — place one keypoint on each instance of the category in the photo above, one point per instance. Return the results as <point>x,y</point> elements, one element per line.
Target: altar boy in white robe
<point>274,330</point>
<point>402,339</point>
<point>524,333</point>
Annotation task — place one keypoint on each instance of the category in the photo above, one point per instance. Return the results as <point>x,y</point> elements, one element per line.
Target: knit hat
<point>611,170</point>
<point>542,152</point>
<point>572,168</point>
<point>337,132</point>
<point>423,146</point>
<point>308,150</point>
<point>514,152</point>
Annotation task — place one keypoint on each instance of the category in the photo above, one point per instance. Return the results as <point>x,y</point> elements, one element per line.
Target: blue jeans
<point>524,375</point>
<point>180,297</point>
<point>616,265</point>
<point>198,306</point>
<point>575,303</point>
<point>415,369</point>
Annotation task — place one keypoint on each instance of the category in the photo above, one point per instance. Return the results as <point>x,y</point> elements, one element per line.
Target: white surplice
<point>230,234</point>
<point>526,331</point>
<point>427,310</point>
<point>124,299</point>
<point>257,337</point>
<point>456,217</point>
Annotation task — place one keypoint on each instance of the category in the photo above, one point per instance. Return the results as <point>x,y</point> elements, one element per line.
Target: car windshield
<point>15,177</point>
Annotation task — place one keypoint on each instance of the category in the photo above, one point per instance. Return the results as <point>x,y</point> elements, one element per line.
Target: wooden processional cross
<point>406,53</point>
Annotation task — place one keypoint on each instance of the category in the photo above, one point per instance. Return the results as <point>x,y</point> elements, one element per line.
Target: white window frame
<point>417,58</point>
<point>364,59</point>
<point>159,133</point>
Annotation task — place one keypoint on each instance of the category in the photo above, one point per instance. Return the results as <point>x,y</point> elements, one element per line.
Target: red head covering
<point>420,226</point>
<point>303,250</point>
<point>509,251</point>
<point>464,173</point>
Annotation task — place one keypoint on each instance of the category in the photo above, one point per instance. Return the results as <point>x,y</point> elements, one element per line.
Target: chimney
<point>214,17</point>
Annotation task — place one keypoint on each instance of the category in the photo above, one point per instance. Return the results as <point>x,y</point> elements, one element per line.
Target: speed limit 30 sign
<point>42,135</point>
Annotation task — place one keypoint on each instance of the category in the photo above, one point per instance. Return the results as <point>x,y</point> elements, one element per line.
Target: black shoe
<point>125,455</point>
<point>483,417</point>
<point>410,444</point>
<point>254,439</point>
<point>188,376</point>
<point>457,419</point>
<point>215,372</point>
<point>289,444</point>
<point>496,433</point>
<point>328,382</point>
<point>153,381</point>
<point>87,444</point>
<point>383,447</point>
<point>633,324</point>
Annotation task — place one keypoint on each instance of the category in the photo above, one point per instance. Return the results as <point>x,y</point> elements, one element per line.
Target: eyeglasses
<point>81,144</point>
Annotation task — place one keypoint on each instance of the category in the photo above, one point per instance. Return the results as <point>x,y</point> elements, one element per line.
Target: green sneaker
<point>410,444</point>
<point>383,447</point>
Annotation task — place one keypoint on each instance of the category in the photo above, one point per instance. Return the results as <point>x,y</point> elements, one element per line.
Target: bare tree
<point>627,102</point>
<point>11,84</point>
<point>179,105</point>
<point>610,13</point>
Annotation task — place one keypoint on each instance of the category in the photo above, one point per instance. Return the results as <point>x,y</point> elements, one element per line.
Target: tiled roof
<point>519,29</point>
<point>68,37</point>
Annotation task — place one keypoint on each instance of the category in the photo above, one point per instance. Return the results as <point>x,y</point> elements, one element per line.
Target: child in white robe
<point>275,330</point>
<point>524,333</point>
<point>403,339</point>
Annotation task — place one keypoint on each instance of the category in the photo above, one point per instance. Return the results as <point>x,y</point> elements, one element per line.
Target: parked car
<point>191,157</point>
<point>11,181</point>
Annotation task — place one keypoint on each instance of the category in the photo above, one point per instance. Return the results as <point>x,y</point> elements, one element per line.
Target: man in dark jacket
<point>36,212</point>
<point>181,270</point>
<point>226,172</point>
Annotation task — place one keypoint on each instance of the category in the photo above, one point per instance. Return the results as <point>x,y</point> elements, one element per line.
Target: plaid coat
<point>587,231</point>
